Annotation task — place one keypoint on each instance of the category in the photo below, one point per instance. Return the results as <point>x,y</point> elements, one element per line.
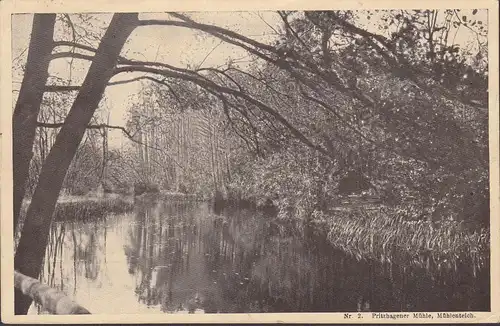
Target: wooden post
<point>51,300</point>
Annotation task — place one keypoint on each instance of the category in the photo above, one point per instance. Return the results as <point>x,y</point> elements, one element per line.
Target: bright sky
<point>173,45</point>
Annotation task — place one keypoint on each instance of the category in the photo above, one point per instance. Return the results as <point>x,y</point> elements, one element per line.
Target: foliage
<point>297,184</point>
<point>388,108</point>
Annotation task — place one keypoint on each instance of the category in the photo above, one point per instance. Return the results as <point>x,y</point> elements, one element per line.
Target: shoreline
<point>364,233</point>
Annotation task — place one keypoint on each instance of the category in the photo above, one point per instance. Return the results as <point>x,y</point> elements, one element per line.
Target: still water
<point>181,257</point>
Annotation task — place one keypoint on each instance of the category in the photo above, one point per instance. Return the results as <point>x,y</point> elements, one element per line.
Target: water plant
<point>382,236</point>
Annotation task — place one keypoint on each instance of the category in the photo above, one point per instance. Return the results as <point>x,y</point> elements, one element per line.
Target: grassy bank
<point>87,207</point>
<point>384,236</point>
<point>81,208</point>
<point>91,208</point>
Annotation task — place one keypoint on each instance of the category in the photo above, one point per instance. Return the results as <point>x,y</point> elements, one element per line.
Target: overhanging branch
<point>97,126</point>
<point>63,88</point>
<point>104,125</point>
<point>208,84</point>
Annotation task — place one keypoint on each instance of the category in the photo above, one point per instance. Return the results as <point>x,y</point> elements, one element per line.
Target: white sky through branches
<point>176,46</point>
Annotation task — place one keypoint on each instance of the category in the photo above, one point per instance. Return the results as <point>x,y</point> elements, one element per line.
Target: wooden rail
<point>52,300</point>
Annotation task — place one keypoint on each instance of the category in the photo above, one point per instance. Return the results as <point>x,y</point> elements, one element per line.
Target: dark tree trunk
<point>28,104</point>
<point>31,249</point>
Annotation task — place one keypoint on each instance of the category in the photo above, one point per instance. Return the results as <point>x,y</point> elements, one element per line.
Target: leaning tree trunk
<point>31,249</point>
<point>28,104</point>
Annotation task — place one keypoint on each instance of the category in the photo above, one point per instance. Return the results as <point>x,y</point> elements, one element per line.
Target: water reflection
<point>179,257</point>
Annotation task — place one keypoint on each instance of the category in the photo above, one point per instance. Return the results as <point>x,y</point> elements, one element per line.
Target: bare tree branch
<point>208,54</point>
<point>69,88</point>
<point>97,126</point>
<point>72,55</point>
<point>104,125</point>
<point>74,45</point>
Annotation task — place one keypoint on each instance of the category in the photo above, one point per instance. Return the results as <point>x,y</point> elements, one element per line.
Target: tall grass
<point>80,209</point>
<point>91,209</point>
<point>86,208</point>
<point>372,234</point>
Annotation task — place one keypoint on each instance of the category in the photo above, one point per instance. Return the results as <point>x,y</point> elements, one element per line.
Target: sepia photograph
<point>167,162</point>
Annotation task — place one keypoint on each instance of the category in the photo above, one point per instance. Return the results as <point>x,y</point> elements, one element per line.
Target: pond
<point>181,257</point>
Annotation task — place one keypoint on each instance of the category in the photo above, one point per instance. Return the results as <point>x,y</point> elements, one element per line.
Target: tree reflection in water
<point>186,259</point>
<point>190,259</point>
<point>76,242</point>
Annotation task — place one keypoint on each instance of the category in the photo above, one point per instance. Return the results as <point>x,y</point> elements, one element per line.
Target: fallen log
<point>52,300</point>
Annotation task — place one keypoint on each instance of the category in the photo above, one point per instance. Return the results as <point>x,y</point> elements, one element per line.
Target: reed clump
<point>80,208</point>
<point>91,208</point>
<point>389,238</point>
